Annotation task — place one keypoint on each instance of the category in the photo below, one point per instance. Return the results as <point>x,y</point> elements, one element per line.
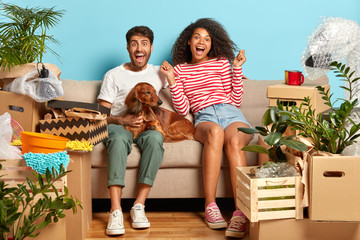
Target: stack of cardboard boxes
<point>29,114</point>
<point>334,210</point>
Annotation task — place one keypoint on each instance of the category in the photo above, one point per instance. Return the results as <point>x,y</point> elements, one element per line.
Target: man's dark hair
<point>140,31</point>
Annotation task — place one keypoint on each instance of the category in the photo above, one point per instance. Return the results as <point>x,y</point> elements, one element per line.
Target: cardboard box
<point>334,188</point>
<point>71,104</point>
<point>292,229</point>
<point>268,198</point>
<point>23,109</point>
<point>15,172</point>
<point>80,129</point>
<point>294,95</point>
<point>79,186</point>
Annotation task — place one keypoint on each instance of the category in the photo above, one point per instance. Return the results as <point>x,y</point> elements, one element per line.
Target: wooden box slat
<point>267,198</point>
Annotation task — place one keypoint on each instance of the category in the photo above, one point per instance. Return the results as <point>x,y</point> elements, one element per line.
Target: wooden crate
<point>15,172</point>
<point>268,198</point>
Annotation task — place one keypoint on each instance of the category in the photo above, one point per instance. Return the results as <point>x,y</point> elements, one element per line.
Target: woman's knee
<point>215,134</point>
<point>237,142</point>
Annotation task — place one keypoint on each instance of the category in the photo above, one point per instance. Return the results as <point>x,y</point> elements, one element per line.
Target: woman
<point>204,82</point>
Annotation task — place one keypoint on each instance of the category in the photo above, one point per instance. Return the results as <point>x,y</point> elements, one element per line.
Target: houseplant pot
<point>24,38</point>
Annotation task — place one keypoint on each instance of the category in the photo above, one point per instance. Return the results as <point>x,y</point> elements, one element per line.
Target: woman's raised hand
<point>239,59</point>
<point>168,71</point>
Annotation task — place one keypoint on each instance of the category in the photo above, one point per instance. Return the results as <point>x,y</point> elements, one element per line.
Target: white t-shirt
<point>118,82</point>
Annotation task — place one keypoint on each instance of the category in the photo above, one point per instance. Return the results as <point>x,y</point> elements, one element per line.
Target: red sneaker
<point>213,217</point>
<point>237,225</point>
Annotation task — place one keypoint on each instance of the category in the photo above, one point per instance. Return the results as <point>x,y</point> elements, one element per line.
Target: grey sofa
<point>180,175</point>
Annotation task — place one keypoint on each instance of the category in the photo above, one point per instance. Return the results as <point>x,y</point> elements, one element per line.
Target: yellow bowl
<point>42,143</point>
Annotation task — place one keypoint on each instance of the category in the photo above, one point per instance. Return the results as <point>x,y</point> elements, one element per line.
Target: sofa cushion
<point>183,154</point>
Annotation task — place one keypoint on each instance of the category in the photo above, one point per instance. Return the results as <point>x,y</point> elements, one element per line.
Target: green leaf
<point>30,184</point>
<point>48,175</point>
<point>274,117</point>
<point>263,131</point>
<point>273,138</point>
<point>347,70</point>
<point>248,130</point>
<point>23,189</point>
<point>295,144</point>
<point>255,148</point>
<point>43,224</point>
<point>266,120</point>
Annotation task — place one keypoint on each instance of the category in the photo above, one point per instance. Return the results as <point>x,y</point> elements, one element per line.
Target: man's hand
<point>168,71</point>
<point>132,120</point>
<point>125,120</point>
<point>240,59</point>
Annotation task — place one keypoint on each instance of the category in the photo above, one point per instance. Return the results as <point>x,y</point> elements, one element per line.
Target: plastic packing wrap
<point>335,39</point>
<point>6,150</point>
<point>40,89</point>
<point>271,170</point>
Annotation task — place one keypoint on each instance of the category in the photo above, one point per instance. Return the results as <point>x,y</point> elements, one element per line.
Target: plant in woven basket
<point>24,37</point>
<point>334,131</point>
<point>25,212</point>
<point>275,121</point>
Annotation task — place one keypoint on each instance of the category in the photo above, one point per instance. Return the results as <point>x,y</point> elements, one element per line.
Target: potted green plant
<point>333,178</point>
<point>335,130</point>
<point>24,37</point>
<point>275,121</point>
<point>23,213</point>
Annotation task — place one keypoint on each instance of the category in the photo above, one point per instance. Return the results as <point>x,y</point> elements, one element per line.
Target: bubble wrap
<point>271,170</point>
<point>335,39</point>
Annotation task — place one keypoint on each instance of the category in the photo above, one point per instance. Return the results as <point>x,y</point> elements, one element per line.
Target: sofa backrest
<point>254,104</point>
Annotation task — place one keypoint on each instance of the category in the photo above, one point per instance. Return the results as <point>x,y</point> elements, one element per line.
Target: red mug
<point>293,77</point>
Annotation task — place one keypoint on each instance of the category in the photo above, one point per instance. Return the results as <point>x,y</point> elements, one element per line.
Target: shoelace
<point>237,222</point>
<point>139,213</point>
<point>214,213</point>
<point>115,219</point>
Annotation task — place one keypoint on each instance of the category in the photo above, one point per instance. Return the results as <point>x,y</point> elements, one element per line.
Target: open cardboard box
<point>23,109</point>
<point>334,188</point>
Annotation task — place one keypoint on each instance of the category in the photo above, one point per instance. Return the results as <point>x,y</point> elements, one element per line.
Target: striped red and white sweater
<point>204,84</point>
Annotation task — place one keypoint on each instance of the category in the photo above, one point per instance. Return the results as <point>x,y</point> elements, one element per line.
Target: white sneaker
<point>116,223</point>
<point>138,217</point>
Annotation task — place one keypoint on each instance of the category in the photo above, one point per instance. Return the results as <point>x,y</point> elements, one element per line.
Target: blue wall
<point>273,33</point>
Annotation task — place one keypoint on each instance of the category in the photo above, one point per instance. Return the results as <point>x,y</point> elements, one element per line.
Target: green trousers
<point>119,146</point>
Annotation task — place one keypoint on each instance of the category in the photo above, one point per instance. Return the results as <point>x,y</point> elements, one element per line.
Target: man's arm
<point>127,120</point>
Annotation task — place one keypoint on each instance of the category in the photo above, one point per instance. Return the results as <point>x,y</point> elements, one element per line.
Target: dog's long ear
<point>133,105</point>
<point>148,114</point>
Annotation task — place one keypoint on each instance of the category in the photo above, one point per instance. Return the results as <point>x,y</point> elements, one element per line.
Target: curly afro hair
<point>221,44</point>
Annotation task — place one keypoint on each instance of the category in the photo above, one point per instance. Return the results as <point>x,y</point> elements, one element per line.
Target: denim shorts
<point>223,114</point>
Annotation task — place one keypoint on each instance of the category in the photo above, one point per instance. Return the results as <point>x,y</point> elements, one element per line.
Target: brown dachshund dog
<point>143,100</point>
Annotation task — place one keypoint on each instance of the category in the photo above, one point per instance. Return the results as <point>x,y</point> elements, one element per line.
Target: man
<point>117,83</point>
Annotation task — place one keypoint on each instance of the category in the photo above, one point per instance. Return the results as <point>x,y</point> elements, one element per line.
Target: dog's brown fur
<point>142,99</point>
